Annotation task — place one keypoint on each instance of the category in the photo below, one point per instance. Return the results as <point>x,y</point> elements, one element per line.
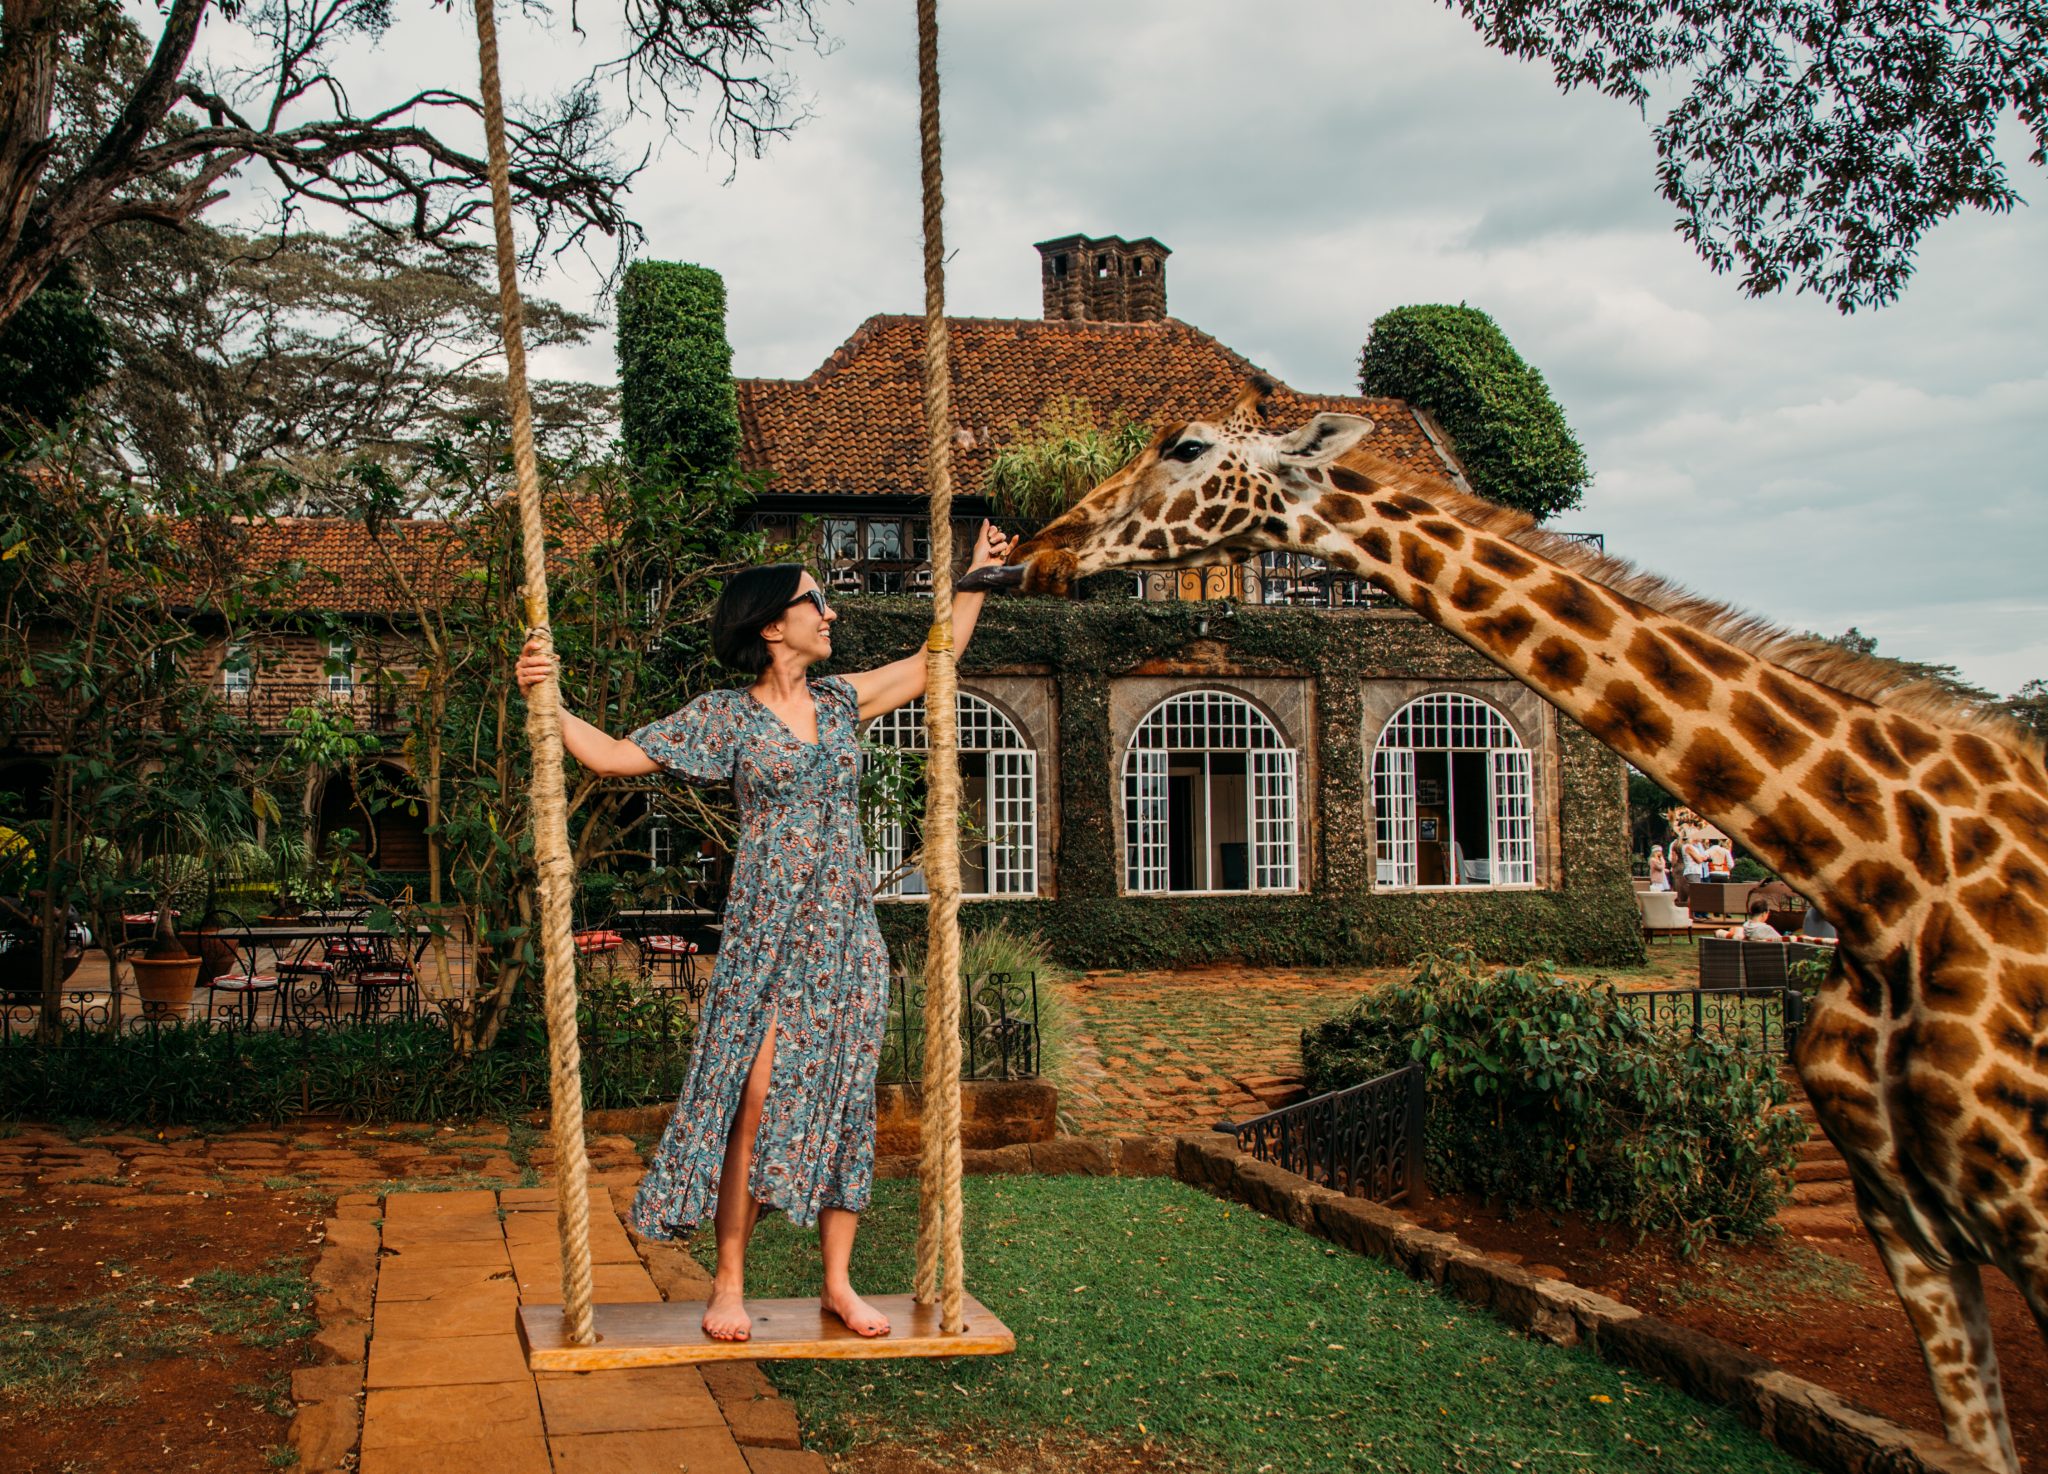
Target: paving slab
<point>451,1253</point>
<point>399,1417</point>
<point>398,1281</point>
<point>400,1207</point>
<point>446,1229</point>
<point>671,1451</point>
<point>632,1400</point>
<point>611,1284</point>
<point>445,1361</point>
<point>498,1455</point>
<point>481,1310</point>
<point>526,1199</point>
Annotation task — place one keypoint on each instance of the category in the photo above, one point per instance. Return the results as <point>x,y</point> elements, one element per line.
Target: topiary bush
<point>1549,1093</point>
<point>1509,434</point>
<point>677,406</point>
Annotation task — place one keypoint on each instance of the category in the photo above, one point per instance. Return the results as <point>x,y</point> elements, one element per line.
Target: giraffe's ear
<point>1325,437</point>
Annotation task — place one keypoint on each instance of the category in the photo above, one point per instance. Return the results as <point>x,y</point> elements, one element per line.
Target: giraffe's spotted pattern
<point>1926,1054</point>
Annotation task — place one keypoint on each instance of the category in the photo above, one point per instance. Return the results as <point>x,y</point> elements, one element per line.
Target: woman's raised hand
<point>534,665</point>
<point>991,548</point>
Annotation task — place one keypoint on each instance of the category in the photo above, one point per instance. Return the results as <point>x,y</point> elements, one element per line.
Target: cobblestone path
<point>1162,1052</point>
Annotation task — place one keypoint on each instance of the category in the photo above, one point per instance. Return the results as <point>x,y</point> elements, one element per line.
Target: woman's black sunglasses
<point>816,598</point>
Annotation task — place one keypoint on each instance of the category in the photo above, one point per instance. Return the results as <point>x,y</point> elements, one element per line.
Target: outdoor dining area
<point>364,961</point>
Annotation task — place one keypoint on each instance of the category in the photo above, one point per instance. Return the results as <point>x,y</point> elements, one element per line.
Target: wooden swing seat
<point>666,1334</point>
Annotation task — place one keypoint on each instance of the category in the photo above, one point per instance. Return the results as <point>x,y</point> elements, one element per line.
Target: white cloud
<point>1316,164</point>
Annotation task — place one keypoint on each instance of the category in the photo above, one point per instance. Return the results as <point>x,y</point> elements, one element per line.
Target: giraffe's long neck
<point>1850,802</point>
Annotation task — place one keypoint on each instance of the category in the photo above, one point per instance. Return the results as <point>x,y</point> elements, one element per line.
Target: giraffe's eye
<point>1188,451</point>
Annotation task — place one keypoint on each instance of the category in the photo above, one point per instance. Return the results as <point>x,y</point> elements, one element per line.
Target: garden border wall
<point>1801,1417</point>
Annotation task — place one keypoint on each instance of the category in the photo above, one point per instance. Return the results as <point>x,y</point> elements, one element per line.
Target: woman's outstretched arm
<point>887,687</point>
<point>609,757</point>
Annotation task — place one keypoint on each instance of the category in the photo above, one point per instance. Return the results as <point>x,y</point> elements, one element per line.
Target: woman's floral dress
<point>800,945</point>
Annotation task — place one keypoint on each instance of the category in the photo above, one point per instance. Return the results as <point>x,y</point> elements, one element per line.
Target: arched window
<point>1209,799</point>
<point>998,795</point>
<point>1452,796</point>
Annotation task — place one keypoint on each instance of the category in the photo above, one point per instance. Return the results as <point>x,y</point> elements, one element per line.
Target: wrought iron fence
<point>999,1033</point>
<point>1364,1140</point>
<point>1763,1019</point>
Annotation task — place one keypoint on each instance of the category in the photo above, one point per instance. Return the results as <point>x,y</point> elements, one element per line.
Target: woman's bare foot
<point>725,1317</point>
<point>860,1317</point>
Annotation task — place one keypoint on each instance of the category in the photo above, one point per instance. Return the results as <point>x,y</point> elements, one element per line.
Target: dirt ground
<point>1820,1307</point>
<point>151,1339</point>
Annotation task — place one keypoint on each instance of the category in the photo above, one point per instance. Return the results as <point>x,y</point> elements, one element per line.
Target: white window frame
<point>342,682</point>
<point>1201,722</point>
<point>1453,721</point>
<point>237,674</point>
<point>1012,818</point>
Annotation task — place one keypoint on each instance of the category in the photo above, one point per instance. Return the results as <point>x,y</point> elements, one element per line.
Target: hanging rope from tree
<point>940,1266</point>
<point>549,810</point>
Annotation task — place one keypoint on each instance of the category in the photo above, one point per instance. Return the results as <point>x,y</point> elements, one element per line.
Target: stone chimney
<point>1103,279</point>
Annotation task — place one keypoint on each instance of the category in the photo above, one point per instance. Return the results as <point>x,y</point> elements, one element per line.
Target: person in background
<point>1695,858</point>
<point>1720,861</point>
<point>1660,875</point>
<point>1758,928</point>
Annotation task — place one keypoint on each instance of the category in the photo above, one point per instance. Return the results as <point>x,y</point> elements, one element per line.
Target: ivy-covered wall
<point>1589,917</point>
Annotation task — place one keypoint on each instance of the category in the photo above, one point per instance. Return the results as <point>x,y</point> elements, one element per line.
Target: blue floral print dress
<point>800,946</point>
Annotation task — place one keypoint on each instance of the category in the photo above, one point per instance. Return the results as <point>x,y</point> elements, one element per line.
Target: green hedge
<point>1508,433</point>
<point>1551,1093</point>
<point>677,405</point>
<point>1591,918</point>
<point>635,1052</point>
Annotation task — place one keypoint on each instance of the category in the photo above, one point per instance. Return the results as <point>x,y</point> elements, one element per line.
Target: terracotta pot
<point>165,984</point>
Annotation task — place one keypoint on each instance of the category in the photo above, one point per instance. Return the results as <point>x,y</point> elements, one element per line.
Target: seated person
<point>1758,928</point>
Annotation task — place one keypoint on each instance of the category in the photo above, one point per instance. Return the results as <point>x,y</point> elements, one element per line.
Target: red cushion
<point>670,946</point>
<point>598,941</point>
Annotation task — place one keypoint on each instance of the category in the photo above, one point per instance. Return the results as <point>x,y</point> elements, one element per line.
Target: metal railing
<point>1766,1019</point>
<point>1365,1140</point>
<point>999,1031</point>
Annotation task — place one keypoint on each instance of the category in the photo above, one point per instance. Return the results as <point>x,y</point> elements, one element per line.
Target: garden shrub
<point>1544,1092</point>
<point>1000,967</point>
<point>1508,433</point>
<point>636,1047</point>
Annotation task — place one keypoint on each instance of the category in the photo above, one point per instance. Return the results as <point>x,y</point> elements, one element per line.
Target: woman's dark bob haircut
<point>753,599</point>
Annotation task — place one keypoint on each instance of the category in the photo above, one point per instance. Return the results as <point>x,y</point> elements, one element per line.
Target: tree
<point>1816,142</point>
<point>677,404</point>
<point>289,357</point>
<point>104,123</point>
<point>52,352</point>
<point>1064,455</point>
<point>2029,706</point>
<point>1509,434</point>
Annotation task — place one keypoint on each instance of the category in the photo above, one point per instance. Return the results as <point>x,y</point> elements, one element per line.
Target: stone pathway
<point>440,1277</point>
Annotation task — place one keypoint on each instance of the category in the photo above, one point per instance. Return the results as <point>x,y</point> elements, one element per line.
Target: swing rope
<point>940,1266</point>
<point>549,811</point>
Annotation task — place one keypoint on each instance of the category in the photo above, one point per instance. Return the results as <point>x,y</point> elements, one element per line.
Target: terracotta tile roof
<point>856,425</point>
<point>344,572</point>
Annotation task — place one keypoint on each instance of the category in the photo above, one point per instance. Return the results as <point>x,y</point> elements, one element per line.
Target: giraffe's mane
<point>1871,678</point>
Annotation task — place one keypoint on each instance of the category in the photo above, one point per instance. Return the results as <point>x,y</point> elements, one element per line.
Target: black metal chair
<point>245,981</point>
<point>1720,963</point>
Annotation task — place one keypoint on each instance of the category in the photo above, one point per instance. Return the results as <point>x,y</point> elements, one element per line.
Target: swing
<point>939,1318</point>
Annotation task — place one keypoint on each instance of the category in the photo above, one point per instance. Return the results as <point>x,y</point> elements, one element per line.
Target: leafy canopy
<point>676,399</point>
<point>1815,142</point>
<point>1508,432</point>
<point>1051,464</point>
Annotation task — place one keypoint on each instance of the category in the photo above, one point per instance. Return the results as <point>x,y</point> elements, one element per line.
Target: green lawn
<point>1144,1309</point>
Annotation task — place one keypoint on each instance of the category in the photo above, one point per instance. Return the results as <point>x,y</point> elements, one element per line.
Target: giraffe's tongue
<point>991,578</point>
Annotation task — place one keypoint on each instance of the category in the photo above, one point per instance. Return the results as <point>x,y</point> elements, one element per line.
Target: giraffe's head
<point>1199,493</point>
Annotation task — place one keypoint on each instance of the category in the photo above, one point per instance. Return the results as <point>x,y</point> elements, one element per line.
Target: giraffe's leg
<point>1946,1307</point>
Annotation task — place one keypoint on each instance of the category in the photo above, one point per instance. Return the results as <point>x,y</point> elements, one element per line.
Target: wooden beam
<point>672,1334</point>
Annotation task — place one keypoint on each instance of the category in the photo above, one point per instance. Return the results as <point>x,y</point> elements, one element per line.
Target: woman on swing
<point>778,1109</point>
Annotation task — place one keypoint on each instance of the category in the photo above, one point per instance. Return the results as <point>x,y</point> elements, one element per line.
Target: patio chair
<point>380,966</point>
<point>1720,962</point>
<point>1663,916</point>
<point>1765,965</point>
<point>244,982</point>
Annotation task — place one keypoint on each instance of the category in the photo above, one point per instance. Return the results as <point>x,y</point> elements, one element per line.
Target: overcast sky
<point>1314,164</point>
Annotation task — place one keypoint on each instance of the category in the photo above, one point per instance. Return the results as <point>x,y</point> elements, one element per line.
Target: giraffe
<point>1918,825</point>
